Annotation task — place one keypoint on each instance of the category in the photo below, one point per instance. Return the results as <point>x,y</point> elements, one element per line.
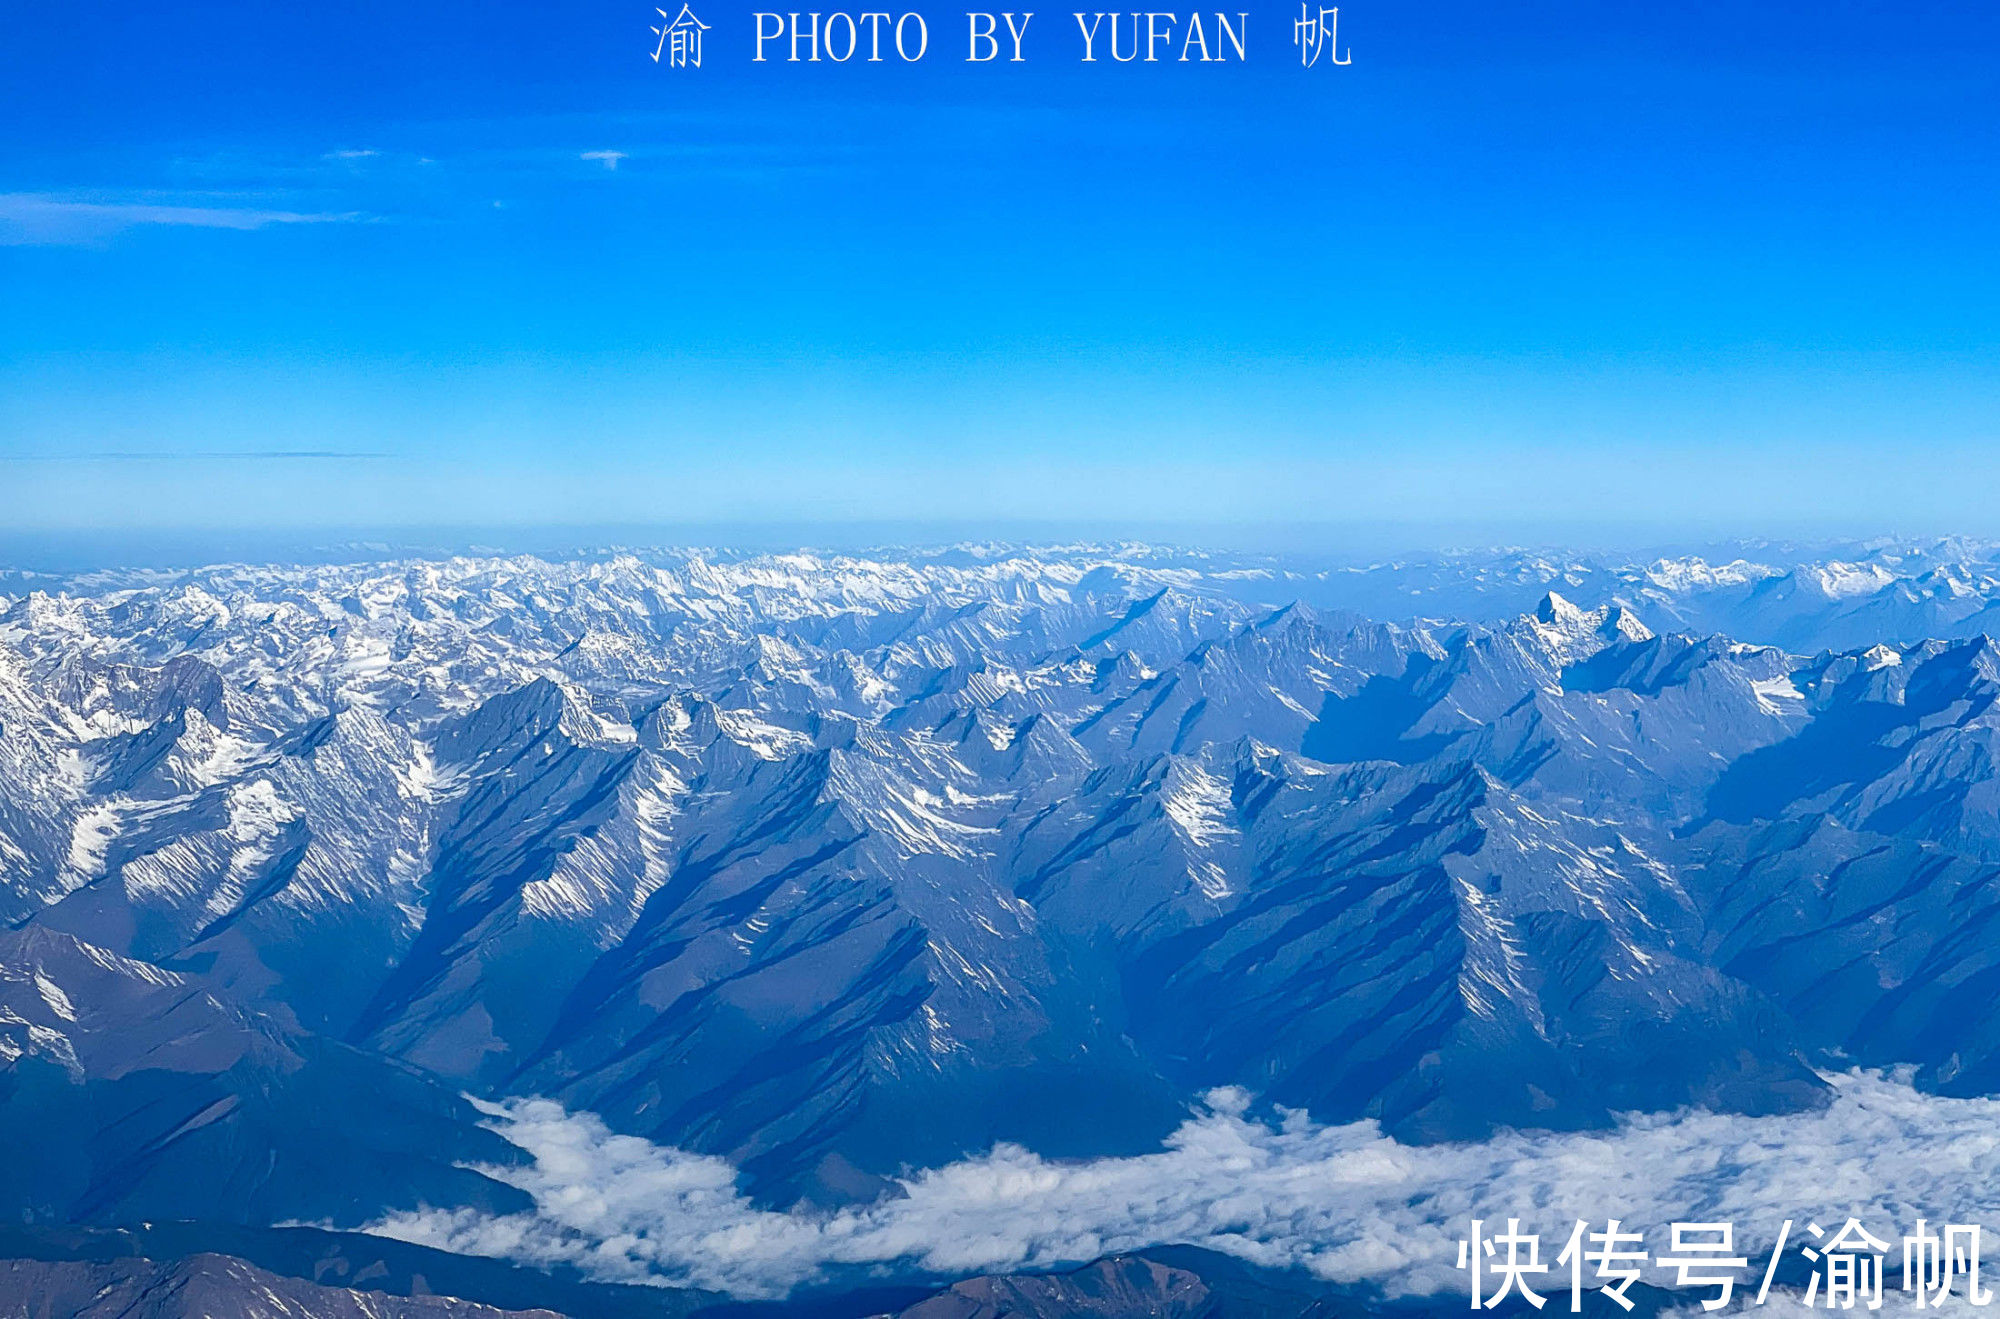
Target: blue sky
<point>1564,270</point>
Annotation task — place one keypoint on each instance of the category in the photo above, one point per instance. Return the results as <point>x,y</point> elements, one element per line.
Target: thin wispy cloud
<point>1345,1203</point>
<point>213,455</point>
<point>609,159</point>
<point>49,218</point>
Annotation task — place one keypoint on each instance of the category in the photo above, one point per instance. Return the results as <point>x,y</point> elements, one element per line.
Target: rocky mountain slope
<point>835,866</point>
<point>206,1287</point>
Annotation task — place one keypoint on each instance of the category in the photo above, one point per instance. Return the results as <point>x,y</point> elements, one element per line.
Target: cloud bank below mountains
<point>1345,1203</point>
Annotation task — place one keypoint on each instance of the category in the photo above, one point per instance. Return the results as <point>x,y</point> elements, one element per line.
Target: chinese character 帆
<point>1931,1262</point>
<point>1316,32</point>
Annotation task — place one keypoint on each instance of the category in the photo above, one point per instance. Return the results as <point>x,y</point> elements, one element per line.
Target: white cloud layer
<point>1346,1203</point>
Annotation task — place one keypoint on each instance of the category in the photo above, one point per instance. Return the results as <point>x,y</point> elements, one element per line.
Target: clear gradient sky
<point>1544,270</point>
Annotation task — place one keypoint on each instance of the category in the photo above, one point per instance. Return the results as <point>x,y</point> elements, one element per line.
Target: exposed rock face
<point>206,1287</point>
<point>1125,1287</point>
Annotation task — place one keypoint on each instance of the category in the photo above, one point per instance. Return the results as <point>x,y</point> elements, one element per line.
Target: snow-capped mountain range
<point>840,865</point>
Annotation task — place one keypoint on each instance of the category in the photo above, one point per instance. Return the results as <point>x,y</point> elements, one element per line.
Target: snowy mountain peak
<point>758,856</point>
<point>1558,612</point>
